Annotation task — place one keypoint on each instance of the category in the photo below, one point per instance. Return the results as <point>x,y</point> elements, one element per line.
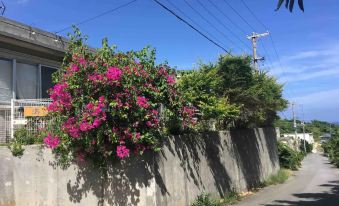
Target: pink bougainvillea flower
<point>51,141</point>
<point>85,126</point>
<point>96,123</point>
<point>74,68</point>
<point>155,112</point>
<point>95,77</point>
<point>113,74</point>
<point>90,106</point>
<point>149,123</point>
<point>122,151</point>
<point>137,135</point>
<point>170,80</point>
<point>83,62</point>
<point>142,102</point>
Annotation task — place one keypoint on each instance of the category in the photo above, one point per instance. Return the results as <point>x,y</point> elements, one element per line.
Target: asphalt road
<point>315,184</point>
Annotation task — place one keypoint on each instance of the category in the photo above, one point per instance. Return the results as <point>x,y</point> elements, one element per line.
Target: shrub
<point>23,137</point>
<point>109,104</point>
<point>206,200</point>
<point>331,148</point>
<point>289,158</point>
<point>308,146</point>
<point>231,92</point>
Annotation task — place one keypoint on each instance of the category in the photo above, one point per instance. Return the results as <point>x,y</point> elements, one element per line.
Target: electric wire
<point>97,16</point>
<point>223,24</point>
<point>212,25</point>
<point>193,21</point>
<point>190,25</point>
<point>227,17</point>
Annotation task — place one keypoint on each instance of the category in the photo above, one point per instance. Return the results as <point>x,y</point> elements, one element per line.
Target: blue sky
<point>307,43</point>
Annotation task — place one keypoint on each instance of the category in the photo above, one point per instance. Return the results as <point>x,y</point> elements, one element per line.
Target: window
<point>46,80</point>
<point>6,76</point>
<point>27,81</point>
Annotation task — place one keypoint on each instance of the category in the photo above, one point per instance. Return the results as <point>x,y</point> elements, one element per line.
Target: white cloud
<point>306,55</point>
<point>306,65</point>
<point>302,76</point>
<point>22,1</point>
<point>323,105</point>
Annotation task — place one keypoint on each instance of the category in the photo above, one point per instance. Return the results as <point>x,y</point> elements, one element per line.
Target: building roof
<point>15,36</point>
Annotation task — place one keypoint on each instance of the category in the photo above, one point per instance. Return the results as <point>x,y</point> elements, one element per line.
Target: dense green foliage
<point>331,148</point>
<point>289,158</point>
<point>233,93</point>
<point>316,127</point>
<point>308,147</point>
<point>207,200</point>
<point>24,137</point>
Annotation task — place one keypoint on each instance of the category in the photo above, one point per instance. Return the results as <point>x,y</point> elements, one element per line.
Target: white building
<point>28,57</point>
<point>300,136</point>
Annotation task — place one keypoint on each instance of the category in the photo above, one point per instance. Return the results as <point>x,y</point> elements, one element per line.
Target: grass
<point>279,178</point>
<point>207,200</point>
<point>231,198</point>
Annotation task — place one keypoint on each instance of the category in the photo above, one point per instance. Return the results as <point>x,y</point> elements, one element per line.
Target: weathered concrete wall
<point>214,162</point>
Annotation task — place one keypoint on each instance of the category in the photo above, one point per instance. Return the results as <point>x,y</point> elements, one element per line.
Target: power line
<point>271,37</point>
<point>235,11</point>
<point>212,25</point>
<point>221,23</point>
<point>190,25</point>
<point>194,22</point>
<point>227,17</point>
<point>253,14</point>
<point>97,16</point>
<point>246,22</point>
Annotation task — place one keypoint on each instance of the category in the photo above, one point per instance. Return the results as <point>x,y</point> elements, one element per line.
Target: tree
<point>289,4</point>
<point>230,90</point>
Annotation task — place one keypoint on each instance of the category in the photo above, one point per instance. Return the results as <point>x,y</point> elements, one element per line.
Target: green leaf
<point>301,5</point>
<point>279,4</point>
<point>291,5</point>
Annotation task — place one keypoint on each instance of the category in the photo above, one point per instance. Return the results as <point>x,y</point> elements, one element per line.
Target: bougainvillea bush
<point>108,104</point>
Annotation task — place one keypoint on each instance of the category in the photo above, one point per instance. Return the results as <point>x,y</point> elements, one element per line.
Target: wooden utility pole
<point>294,123</point>
<point>254,38</point>
<point>303,124</point>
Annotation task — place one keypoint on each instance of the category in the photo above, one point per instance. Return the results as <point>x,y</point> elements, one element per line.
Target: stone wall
<point>214,162</point>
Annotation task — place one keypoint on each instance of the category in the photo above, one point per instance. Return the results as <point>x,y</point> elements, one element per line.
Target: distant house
<point>300,136</point>
<point>325,137</point>
<point>28,57</point>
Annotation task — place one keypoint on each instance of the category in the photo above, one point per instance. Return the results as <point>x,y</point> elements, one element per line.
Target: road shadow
<point>329,198</point>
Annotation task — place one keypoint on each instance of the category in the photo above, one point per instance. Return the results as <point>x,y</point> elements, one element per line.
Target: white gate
<point>29,114</point>
<point>5,122</point>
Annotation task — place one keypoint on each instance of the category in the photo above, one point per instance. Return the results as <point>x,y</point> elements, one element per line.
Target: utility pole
<point>303,124</point>
<point>294,122</point>
<point>330,130</point>
<point>254,37</point>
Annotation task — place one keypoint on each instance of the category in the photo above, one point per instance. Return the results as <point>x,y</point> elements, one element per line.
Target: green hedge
<point>289,158</point>
<point>331,148</point>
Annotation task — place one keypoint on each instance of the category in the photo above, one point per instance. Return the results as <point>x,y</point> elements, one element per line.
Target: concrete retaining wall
<point>214,162</point>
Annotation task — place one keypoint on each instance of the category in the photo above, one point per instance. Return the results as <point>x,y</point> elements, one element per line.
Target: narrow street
<point>315,184</point>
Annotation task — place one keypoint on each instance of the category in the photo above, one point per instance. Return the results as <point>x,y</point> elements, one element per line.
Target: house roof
<point>23,38</point>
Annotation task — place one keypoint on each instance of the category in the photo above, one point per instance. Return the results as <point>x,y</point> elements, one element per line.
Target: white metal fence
<point>22,113</point>
<point>32,121</point>
<point>5,122</point>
